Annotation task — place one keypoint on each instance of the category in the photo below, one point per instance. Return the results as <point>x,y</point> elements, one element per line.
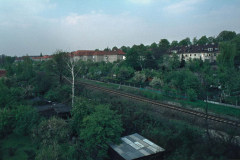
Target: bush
<point>7,122</point>
<point>139,77</point>
<point>26,118</point>
<point>192,96</point>
<point>12,151</point>
<point>59,94</point>
<point>156,82</point>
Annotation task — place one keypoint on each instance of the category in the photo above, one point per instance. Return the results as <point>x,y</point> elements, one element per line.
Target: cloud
<point>141,1</point>
<point>182,6</point>
<point>97,30</point>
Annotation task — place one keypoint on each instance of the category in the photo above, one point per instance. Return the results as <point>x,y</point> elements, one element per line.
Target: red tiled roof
<point>2,73</point>
<point>43,57</point>
<point>91,53</point>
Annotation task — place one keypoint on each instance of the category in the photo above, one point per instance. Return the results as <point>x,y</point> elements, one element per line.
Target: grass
<point>15,147</point>
<point>217,109</point>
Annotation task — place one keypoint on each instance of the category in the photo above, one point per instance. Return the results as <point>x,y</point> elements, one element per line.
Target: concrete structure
<point>135,147</point>
<point>207,52</point>
<point>34,58</point>
<point>41,58</point>
<point>99,56</point>
<point>85,55</point>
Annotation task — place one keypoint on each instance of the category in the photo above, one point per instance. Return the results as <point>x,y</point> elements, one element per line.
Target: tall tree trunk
<point>73,86</point>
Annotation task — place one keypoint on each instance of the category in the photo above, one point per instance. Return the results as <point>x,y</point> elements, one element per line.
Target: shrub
<point>139,77</point>
<point>192,96</point>
<point>156,82</point>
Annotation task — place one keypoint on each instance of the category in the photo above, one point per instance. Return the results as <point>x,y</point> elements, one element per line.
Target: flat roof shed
<point>135,147</point>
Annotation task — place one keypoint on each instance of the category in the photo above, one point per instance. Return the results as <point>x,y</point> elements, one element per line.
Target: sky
<point>31,27</point>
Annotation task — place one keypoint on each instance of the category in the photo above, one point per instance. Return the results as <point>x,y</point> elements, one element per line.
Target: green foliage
<point>82,108</point>
<point>5,95</point>
<point>125,73</point>
<point>59,93</point>
<point>156,82</point>
<point>58,64</point>
<point>203,40</point>
<point>174,43</point>
<point>25,70</point>
<point>7,121</point>
<point>53,137</point>
<point>182,80</point>
<point>226,36</point>
<point>27,118</point>
<point>42,82</point>
<point>52,131</point>
<point>22,146</point>
<point>192,96</point>
<point>185,42</point>
<point>174,62</point>
<point>99,129</point>
<point>227,55</point>
<point>6,61</point>
<point>55,151</point>
<point>139,77</point>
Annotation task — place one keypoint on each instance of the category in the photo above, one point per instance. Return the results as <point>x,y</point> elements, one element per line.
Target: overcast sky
<point>35,26</point>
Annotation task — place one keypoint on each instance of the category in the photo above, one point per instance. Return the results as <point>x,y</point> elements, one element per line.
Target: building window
<point>190,55</point>
<point>195,55</point>
<point>210,49</point>
<point>215,54</point>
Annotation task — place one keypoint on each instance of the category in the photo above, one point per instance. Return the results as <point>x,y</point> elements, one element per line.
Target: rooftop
<point>136,146</point>
<point>91,52</point>
<point>208,48</point>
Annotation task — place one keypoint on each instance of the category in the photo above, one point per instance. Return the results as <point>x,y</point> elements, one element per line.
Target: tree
<point>156,82</point>
<point>134,58</point>
<point>139,77</point>
<point>5,97</point>
<point>73,68</point>
<point>192,96</point>
<point>212,40</point>
<point>53,130</point>
<point>114,48</point>
<point>25,71</point>
<point>59,63</point>
<point>236,41</point>
<point>195,41</point>
<point>107,49</point>
<point>174,61</point>
<point>162,49</point>
<point>226,36</point>
<point>26,119</point>
<point>125,49</point>
<point>7,121</point>
<point>100,128</point>
<point>59,93</point>
<point>53,135</point>
<point>227,54</point>
<point>182,63</point>
<point>203,40</point>
<point>153,46</point>
<point>125,73</point>
<point>174,43</point>
<point>185,42</point>
<point>42,82</point>
<point>81,109</point>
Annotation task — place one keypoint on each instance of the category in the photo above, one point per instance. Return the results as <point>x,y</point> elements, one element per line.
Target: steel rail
<point>169,106</point>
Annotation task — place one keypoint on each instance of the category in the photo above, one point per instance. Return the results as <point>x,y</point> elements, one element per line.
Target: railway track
<point>172,107</point>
